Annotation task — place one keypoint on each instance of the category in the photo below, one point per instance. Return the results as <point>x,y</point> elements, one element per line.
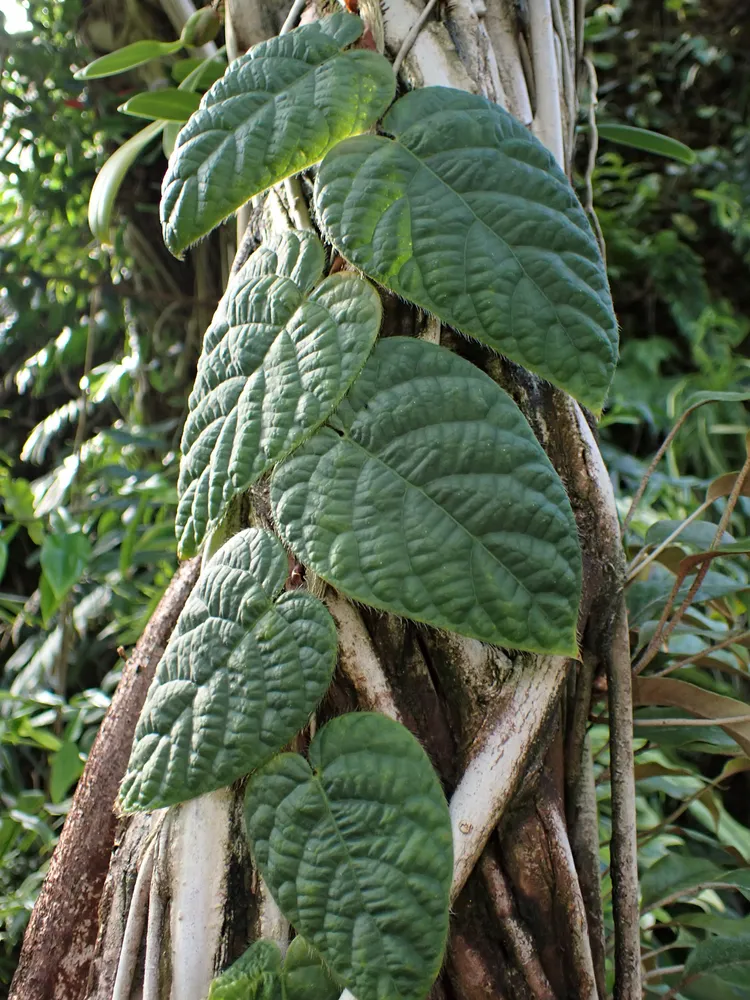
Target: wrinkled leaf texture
<point>280,353</point>
<point>430,497</point>
<point>245,667</point>
<point>277,110</point>
<point>466,214</point>
<point>356,848</point>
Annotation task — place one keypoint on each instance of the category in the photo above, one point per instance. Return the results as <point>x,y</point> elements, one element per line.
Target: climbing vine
<point>400,474</point>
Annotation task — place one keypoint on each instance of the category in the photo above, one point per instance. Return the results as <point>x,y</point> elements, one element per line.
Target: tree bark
<point>505,730</point>
<point>59,942</point>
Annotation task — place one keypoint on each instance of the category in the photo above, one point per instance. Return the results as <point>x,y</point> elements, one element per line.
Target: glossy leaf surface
<point>276,111</point>
<point>281,352</point>
<point>467,215</point>
<point>430,497</point>
<point>245,667</point>
<point>356,849</point>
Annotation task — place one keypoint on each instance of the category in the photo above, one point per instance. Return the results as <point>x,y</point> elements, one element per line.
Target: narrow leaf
<point>430,497</point>
<point>279,355</point>
<point>467,215</point>
<point>648,141</point>
<point>127,58</point>
<point>696,700</point>
<point>111,176</point>
<point>170,104</point>
<point>276,111</point>
<point>356,849</point>
<point>245,667</point>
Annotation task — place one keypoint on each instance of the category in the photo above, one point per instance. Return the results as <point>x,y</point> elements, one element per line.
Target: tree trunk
<point>506,731</point>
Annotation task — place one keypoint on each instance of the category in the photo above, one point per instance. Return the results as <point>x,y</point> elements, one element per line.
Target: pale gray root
<point>131,942</point>
<point>496,766</point>
<point>178,12</point>
<point>569,897</point>
<point>358,659</point>
<point>156,923</point>
<point>199,851</point>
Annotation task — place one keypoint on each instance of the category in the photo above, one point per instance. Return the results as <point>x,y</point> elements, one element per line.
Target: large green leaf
<point>277,110</point>
<point>242,672</point>
<point>466,214</point>
<point>430,497</point>
<point>256,975</point>
<point>356,849</point>
<point>305,976</point>
<point>279,356</point>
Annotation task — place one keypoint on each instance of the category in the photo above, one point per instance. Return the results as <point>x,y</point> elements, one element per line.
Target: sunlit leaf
<point>111,176</point>
<point>128,58</point>
<point>169,104</point>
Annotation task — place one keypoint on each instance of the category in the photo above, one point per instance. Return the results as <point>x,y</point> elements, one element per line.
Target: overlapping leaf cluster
<point>399,473</point>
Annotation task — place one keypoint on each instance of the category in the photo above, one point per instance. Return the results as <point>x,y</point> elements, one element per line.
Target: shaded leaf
<point>63,558</point>
<point>724,485</point>
<point>430,497</point>
<point>648,141</point>
<point>66,768</point>
<point>279,355</point>
<point>356,849</point>
<point>245,667</point>
<point>277,110</point>
<point>467,215</point>
<point>719,954</point>
<point>305,976</point>
<point>256,975</point>
<point>697,701</point>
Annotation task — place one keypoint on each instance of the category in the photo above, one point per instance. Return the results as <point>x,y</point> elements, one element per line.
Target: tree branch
<point>59,942</point>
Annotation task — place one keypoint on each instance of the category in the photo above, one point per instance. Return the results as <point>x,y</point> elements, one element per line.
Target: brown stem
<point>664,630</point>
<point>624,847</point>
<point>59,942</point>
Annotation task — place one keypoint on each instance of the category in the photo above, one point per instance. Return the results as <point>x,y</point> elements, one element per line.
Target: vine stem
<point>636,568</point>
<point>658,457</point>
<point>624,843</point>
<point>686,661</point>
<point>591,160</point>
<point>412,36</point>
<point>664,630</point>
<point>293,16</point>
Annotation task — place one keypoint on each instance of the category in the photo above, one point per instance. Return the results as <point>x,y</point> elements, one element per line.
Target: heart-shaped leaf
<point>277,110</point>
<point>242,672</point>
<point>356,849</point>
<point>430,497</point>
<point>466,214</point>
<point>305,976</point>
<point>277,359</point>
<point>256,975</point>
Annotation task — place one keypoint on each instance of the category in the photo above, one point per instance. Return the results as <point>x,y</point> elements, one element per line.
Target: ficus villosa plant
<point>397,472</point>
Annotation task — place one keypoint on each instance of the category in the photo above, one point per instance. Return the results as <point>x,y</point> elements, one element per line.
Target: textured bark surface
<point>59,942</point>
<point>505,731</point>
